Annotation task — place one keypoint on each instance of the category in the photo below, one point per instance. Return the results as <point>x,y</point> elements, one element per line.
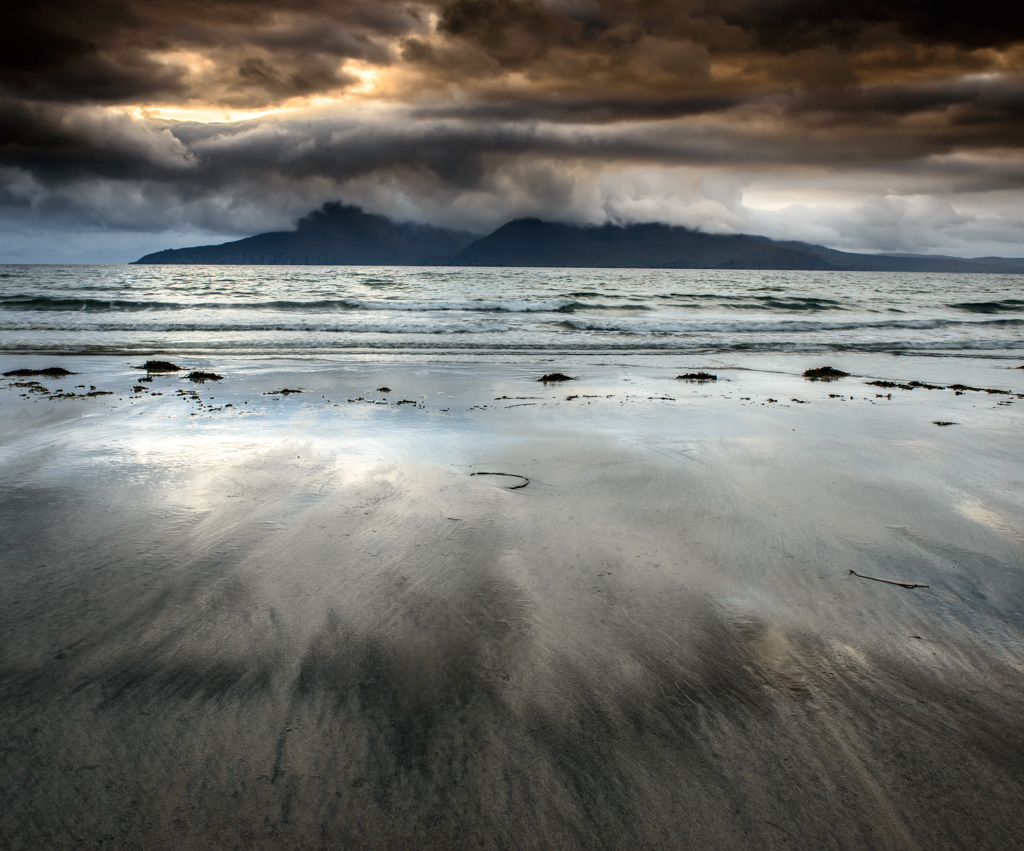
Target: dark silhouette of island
<point>335,235</point>
<point>347,236</point>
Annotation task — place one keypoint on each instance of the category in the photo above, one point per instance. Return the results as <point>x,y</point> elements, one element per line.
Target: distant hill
<point>532,242</point>
<point>347,236</point>
<point>335,235</point>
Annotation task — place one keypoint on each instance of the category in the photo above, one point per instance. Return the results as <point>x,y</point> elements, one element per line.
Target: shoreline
<point>238,617</point>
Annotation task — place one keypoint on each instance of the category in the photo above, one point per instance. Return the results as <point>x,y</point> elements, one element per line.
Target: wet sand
<point>232,617</point>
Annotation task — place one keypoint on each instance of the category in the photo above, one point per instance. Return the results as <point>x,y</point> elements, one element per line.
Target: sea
<point>503,313</point>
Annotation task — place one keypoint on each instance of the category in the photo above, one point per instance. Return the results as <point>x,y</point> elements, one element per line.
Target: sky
<point>128,126</point>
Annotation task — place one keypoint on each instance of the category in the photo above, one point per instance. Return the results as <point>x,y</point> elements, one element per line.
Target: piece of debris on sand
<point>890,581</point>
<point>552,377</point>
<point>285,391</point>
<point>49,372</point>
<point>201,377</point>
<point>523,483</point>
<point>159,366</point>
<point>697,376</point>
<point>824,373</point>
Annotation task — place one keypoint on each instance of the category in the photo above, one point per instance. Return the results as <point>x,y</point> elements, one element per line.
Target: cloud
<point>252,53</point>
<point>259,53</point>
<point>797,24</point>
<point>55,142</point>
<point>470,112</point>
<point>887,223</point>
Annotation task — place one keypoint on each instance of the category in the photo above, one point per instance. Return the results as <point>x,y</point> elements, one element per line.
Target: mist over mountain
<point>344,235</point>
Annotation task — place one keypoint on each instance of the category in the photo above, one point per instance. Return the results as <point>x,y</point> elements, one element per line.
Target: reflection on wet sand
<point>294,647</point>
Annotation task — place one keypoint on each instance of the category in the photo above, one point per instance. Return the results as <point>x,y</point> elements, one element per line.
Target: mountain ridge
<point>334,235</point>
<point>339,234</point>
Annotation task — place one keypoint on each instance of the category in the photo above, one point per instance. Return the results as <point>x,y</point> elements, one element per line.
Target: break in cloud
<point>132,125</point>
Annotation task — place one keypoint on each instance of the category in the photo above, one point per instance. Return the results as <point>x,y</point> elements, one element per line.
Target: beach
<point>333,602</point>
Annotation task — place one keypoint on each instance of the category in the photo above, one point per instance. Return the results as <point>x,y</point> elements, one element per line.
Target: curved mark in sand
<point>524,483</point>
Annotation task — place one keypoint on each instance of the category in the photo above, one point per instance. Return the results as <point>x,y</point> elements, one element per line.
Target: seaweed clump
<point>963,387</point>
<point>555,376</point>
<point>201,377</point>
<point>824,373</point>
<point>159,366</point>
<point>889,385</point>
<point>697,376</point>
<point>49,372</point>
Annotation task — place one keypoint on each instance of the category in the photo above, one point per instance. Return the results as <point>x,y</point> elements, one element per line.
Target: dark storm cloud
<point>611,60</point>
<point>783,24</point>
<point>996,99</point>
<point>55,142</point>
<point>460,146</point>
<point>592,60</point>
<point>798,24</point>
<point>129,51</point>
<point>512,31</point>
<point>730,25</point>
<point>258,52</point>
<point>586,110</point>
<point>485,109</point>
<point>58,146</point>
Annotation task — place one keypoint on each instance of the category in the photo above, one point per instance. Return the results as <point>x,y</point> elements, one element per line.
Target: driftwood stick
<point>526,481</point>
<point>889,581</point>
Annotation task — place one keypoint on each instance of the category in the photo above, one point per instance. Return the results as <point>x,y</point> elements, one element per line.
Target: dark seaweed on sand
<point>889,384</point>
<point>49,372</point>
<point>159,366</point>
<point>555,376</point>
<point>959,389</point>
<point>697,376</point>
<point>201,377</point>
<point>29,387</point>
<point>824,373</point>
<point>990,390</point>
